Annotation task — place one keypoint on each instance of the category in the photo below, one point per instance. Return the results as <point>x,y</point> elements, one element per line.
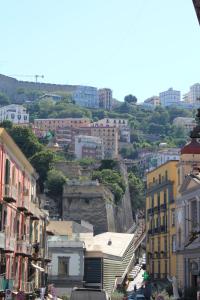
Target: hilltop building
<point>122,124</point>
<point>187,123</point>
<point>154,101</point>
<point>170,97</point>
<point>193,95</point>
<point>89,147</point>
<point>162,185</point>
<point>105,98</point>
<point>55,124</point>
<point>17,114</point>
<point>86,96</point>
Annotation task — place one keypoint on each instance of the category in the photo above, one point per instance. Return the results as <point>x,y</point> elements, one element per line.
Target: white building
<point>15,113</point>
<point>89,147</point>
<point>122,124</point>
<point>170,97</point>
<point>193,95</point>
<point>105,98</point>
<point>187,123</point>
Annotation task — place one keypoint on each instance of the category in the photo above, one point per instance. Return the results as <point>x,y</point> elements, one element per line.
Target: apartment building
<point>187,123</point>
<point>193,95</point>
<point>89,147</point>
<point>160,220</point>
<point>23,251</point>
<point>110,137</point>
<point>86,96</point>
<point>17,114</point>
<point>170,97</point>
<point>54,124</point>
<point>122,124</point>
<point>105,98</point>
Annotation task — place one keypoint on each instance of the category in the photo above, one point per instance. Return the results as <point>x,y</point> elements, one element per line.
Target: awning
<point>38,267</point>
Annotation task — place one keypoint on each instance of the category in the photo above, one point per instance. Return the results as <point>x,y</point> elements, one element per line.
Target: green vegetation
<point>113,180</point>
<point>130,99</point>
<point>4,99</point>
<point>137,191</point>
<point>54,183</point>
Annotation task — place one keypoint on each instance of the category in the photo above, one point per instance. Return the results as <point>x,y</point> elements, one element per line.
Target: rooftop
<point>108,243</point>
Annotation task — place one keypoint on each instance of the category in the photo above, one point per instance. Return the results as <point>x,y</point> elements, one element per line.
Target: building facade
<point>86,96</point>
<point>23,253</point>
<point>194,94</point>
<point>55,124</point>
<point>160,219</point>
<point>187,123</point>
<point>17,114</point>
<point>110,137</point>
<point>122,124</point>
<point>105,98</point>
<point>170,97</point>
<point>89,147</point>
<point>187,223</point>
<point>154,101</point>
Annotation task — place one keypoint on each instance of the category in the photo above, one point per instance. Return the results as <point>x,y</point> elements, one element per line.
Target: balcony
<point>23,204</point>
<point>150,211</point>
<point>2,240</point>
<point>23,248</point>
<point>156,230</point>
<point>163,207</point>
<point>34,211</point>
<point>10,241</point>
<point>6,284</point>
<point>163,228</point>
<point>9,193</point>
<point>150,231</point>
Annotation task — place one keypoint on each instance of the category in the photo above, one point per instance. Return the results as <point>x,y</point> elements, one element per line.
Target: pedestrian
<point>135,288</point>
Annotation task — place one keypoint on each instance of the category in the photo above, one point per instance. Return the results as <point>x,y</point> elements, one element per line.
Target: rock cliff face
<point>94,203</point>
<point>123,212</point>
<point>91,202</point>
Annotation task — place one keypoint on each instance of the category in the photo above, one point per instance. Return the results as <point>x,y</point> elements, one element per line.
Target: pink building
<point>21,220</point>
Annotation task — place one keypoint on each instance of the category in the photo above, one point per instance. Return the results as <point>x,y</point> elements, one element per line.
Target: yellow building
<point>160,220</point>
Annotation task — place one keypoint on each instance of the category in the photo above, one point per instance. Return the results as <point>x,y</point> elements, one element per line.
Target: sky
<point>139,47</point>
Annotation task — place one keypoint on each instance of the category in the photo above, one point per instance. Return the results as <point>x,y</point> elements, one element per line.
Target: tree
<point>54,183</point>
<point>4,99</point>
<point>42,162</point>
<point>113,180</point>
<point>25,139</point>
<point>130,99</point>
<point>136,188</point>
<point>6,124</point>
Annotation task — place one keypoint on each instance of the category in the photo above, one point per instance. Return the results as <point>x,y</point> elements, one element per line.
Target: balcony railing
<point>163,206</point>
<point>6,284</point>
<point>2,240</point>
<point>23,248</point>
<point>27,287</point>
<point>163,228</point>
<point>10,241</point>
<point>9,193</point>
<point>23,204</point>
<point>150,211</point>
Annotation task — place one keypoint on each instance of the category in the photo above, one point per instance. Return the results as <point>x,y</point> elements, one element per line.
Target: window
<point>174,243</point>
<point>159,179</point>
<point>158,269</point>
<point>165,196</point>
<point>158,244</point>
<point>173,217</point>
<point>7,172</point>
<point>165,244</point>
<point>158,197</point>
<point>63,266</point>
<point>179,238</point>
<point>166,271</point>
<point>166,175</point>
<point>1,215</point>
<point>179,177</point>
<point>194,213</point>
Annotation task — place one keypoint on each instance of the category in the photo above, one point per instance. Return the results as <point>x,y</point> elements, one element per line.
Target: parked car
<point>88,294</point>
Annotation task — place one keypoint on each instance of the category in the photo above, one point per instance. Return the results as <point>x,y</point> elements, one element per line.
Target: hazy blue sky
<point>132,46</point>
